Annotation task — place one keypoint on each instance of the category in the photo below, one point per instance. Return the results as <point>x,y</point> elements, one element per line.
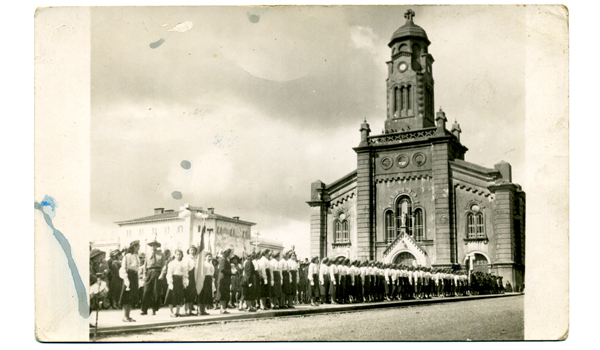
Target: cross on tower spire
<point>409,14</point>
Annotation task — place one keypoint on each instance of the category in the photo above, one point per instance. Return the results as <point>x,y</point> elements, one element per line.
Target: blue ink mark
<point>84,308</point>
<point>218,140</point>
<point>185,164</point>
<point>49,206</point>
<point>156,44</point>
<point>177,195</point>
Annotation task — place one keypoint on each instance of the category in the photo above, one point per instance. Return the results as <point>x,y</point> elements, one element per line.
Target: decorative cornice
<point>342,199</point>
<point>400,177</point>
<point>401,53</point>
<point>482,191</point>
<point>341,245</point>
<point>399,137</point>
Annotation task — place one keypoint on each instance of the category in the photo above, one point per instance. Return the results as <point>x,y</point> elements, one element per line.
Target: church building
<point>413,198</point>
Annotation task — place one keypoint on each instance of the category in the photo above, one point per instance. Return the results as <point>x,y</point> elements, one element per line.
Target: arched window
<point>408,100</point>
<point>403,47</point>
<point>419,226</point>
<point>475,223</point>
<point>404,215</point>
<point>398,99</point>
<point>390,230</point>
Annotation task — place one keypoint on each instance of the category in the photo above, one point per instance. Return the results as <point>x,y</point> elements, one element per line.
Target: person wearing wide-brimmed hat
<point>129,273</point>
<point>155,264</point>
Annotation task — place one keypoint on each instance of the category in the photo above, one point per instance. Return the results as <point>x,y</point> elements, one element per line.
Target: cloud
<point>363,37</point>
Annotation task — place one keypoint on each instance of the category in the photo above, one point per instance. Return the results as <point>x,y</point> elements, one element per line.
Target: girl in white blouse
<point>313,279</point>
<point>129,273</point>
<point>177,280</point>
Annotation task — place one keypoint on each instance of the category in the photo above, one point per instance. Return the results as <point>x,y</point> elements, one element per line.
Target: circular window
<point>386,163</point>
<point>419,159</point>
<point>403,160</point>
<point>475,207</point>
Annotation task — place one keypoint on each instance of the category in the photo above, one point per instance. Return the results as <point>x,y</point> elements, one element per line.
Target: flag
<point>199,273</point>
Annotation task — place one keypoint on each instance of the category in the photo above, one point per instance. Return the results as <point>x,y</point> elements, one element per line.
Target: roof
<point>474,167</point>
<point>174,215</point>
<point>170,215</point>
<point>409,29</point>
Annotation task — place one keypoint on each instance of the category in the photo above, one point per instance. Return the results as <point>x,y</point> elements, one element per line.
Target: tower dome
<point>409,30</point>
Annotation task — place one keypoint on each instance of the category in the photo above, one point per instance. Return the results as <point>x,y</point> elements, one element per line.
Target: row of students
<point>264,280</point>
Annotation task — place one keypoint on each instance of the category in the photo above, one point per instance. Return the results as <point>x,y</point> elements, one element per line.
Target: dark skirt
<point>386,286</point>
<point>249,291</point>
<point>286,287</point>
<point>131,296</point>
<point>176,295</point>
<point>276,290</point>
<point>235,284</point>
<point>294,285</point>
<point>314,289</point>
<point>324,288</point>
<point>206,293</point>
<point>358,292</point>
<point>190,292</point>
<point>367,285</point>
<point>265,289</point>
<point>224,289</point>
<point>334,287</point>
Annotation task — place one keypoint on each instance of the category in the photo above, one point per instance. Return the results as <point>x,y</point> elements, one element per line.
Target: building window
<point>345,235</point>
<point>419,226</point>
<point>404,216</point>
<point>179,229</point>
<point>341,227</point>
<point>390,230</point>
<point>141,232</point>
<point>475,223</point>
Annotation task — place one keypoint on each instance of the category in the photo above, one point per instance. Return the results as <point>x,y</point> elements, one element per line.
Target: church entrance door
<point>406,259</point>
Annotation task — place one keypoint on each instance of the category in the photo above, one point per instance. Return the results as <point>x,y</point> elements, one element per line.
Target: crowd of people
<point>262,280</point>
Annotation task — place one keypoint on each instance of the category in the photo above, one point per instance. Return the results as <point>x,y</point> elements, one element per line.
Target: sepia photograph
<point>299,173</point>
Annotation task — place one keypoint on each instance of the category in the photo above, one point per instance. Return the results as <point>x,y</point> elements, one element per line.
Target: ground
<point>487,319</point>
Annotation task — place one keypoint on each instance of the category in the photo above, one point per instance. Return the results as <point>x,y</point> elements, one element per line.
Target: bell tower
<point>410,103</point>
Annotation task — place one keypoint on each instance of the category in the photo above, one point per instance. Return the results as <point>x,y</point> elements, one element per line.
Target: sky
<point>264,101</point>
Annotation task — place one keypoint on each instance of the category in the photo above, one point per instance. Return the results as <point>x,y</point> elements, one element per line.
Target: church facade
<point>413,198</point>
